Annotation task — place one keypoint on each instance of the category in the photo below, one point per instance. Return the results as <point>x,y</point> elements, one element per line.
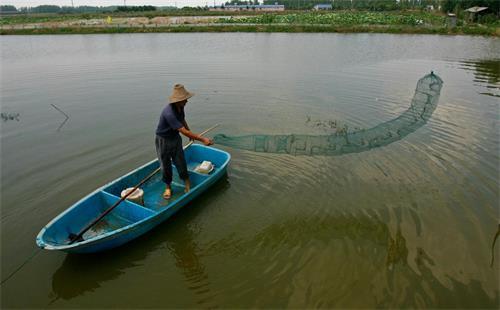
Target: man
<point>169,142</point>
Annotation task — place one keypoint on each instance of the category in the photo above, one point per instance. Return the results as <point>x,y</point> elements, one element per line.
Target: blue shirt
<point>170,121</point>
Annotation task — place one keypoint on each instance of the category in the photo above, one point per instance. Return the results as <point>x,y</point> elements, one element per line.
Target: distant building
<point>319,7</point>
<point>476,11</point>
<point>250,7</point>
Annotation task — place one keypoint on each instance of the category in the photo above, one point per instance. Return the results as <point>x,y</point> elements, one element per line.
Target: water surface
<point>408,224</point>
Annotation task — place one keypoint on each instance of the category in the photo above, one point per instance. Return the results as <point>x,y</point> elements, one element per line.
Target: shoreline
<point>268,28</point>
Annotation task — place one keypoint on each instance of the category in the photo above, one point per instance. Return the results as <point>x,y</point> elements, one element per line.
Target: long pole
<point>78,237</point>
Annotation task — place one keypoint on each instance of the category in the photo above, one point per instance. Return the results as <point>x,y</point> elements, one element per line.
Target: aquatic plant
<point>10,116</point>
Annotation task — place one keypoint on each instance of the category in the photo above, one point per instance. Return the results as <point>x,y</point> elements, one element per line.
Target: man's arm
<point>187,127</point>
<point>194,136</point>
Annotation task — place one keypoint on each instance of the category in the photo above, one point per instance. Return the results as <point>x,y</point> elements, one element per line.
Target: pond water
<point>406,224</point>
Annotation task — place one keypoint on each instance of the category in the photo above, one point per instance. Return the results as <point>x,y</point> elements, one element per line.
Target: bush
<point>488,19</point>
<point>143,8</point>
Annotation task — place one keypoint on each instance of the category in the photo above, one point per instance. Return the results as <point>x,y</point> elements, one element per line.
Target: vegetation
<point>41,9</point>
<point>238,2</point>
<point>264,28</point>
<point>143,8</point>
<point>457,6</point>
<point>375,5</point>
<point>7,8</point>
<point>389,5</point>
<point>412,16</point>
<point>342,18</point>
<point>54,9</point>
<point>26,18</point>
<point>365,5</point>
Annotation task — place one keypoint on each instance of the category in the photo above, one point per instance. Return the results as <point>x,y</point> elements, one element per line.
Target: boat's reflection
<point>86,272</point>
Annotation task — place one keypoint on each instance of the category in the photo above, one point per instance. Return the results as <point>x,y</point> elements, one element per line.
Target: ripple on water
<point>408,224</point>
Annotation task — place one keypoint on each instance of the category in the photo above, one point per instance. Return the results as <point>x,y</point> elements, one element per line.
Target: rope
<point>493,246</point>
<point>21,266</point>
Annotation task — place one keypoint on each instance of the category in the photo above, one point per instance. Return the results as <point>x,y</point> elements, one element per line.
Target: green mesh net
<point>422,106</point>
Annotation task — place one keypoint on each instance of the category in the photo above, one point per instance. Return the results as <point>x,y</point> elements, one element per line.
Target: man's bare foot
<point>187,186</point>
<point>168,193</point>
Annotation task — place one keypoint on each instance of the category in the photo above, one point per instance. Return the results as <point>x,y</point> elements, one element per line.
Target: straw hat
<point>179,94</point>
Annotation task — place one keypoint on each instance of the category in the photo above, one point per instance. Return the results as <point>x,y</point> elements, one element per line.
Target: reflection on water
<point>400,284</point>
<point>493,246</point>
<point>185,250</point>
<point>81,273</point>
<point>485,71</point>
<point>422,106</point>
<point>396,249</point>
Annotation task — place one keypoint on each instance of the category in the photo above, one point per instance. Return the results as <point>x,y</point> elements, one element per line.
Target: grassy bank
<point>55,17</point>
<point>306,21</point>
<point>488,31</point>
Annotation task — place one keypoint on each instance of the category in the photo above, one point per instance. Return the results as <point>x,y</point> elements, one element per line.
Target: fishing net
<point>422,106</point>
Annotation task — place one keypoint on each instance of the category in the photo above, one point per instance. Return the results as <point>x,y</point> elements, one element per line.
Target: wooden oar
<point>78,237</point>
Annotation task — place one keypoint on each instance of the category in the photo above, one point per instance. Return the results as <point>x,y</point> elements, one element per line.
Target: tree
<point>46,9</point>
<point>238,2</point>
<point>342,4</point>
<point>143,8</point>
<point>8,8</point>
<point>451,5</point>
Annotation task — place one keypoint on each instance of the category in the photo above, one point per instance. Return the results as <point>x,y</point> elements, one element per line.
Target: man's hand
<point>207,141</point>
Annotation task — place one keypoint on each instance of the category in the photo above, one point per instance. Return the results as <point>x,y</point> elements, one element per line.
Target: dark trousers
<point>168,150</point>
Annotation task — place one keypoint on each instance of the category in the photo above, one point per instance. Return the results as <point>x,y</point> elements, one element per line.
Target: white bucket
<point>136,196</point>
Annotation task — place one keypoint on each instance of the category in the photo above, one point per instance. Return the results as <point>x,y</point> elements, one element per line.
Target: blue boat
<point>129,220</point>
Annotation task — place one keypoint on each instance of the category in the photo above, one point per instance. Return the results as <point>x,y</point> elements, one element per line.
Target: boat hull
<point>129,220</point>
